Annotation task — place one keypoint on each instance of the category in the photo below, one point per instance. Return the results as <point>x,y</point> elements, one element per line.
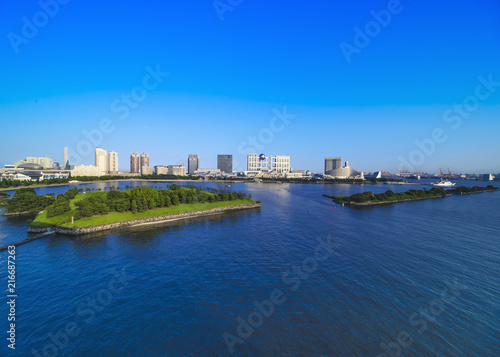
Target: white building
<point>101,161</point>
<point>85,170</point>
<point>43,161</point>
<point>178,170</point>
<point>276,164</point>
<point>112,161</point>
<point>161,170</point>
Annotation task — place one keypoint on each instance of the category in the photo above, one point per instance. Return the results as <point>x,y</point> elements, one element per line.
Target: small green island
<point>367,198</point>
<point>78,212</point>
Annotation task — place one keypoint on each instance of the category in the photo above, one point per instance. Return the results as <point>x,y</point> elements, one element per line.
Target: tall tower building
<point>113,161</point>
<point>144,161</point>
<point>193,163</point>
<point>225,163</point>
<point>66,162</point>
<point>101,160</point>
<point>134,163</point>
<point>332,163</point>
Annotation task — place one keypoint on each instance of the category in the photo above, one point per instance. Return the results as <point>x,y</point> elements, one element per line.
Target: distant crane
<point>55,161</point>
<point>451,176</point>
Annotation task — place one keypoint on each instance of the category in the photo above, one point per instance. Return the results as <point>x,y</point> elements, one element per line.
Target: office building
<point>341,172</point>
<point>144,161</point>
<point>193,163</point>
<point>85,170</point>
<point>66,160</point>
<point>268,164</point>
<point>101,160</point>
<point>177,170</point>
<point>225,163</point>
<point>134,163</point>
<point>146,170</point>
<point>44,161</point>
<point>161,170</point>
<point>332,163</point>
<point>112,161</point>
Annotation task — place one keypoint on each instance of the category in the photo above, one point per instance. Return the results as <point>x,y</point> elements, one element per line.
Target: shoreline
<point>141,221</point>
<point>216,181</point>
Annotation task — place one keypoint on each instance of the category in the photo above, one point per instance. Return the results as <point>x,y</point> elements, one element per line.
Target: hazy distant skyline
<point>417,76</point>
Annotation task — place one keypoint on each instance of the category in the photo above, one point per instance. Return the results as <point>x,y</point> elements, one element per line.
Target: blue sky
<point>228,75</point>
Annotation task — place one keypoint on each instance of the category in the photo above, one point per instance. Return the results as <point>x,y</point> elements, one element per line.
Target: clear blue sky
<point>227,77</point>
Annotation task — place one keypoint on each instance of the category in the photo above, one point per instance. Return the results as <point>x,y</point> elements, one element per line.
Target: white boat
<point>444,183</point>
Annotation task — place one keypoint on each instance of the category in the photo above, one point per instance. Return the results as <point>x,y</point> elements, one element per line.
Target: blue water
<point>185,285</point>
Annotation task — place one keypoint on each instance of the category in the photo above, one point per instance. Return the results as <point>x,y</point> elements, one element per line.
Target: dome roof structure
<point>30,166</point>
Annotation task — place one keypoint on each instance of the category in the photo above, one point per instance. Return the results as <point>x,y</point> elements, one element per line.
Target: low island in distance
<point>367,198</point>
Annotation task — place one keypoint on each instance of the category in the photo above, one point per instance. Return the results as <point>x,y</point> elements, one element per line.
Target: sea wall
<point>134,222</point>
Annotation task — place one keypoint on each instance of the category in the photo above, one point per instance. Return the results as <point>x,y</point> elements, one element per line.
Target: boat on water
<point>444,183</point>
<point>257,180</point>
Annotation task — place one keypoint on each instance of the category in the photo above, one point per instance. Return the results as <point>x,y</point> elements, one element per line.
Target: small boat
<point>444,183</point>
<point>257,180</point>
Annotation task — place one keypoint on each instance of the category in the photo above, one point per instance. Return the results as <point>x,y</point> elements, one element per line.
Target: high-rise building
<point>112,161</point>
<point>225,163</point>
<point>144,161</point>
<point>66,162</point>
<point>134,163</point>
<point>101,160</point>
<point>332,163</point>
<point>277,164</point>
<point>193,163</point>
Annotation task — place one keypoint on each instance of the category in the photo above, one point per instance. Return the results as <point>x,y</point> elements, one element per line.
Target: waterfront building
<point>101,160</point>
<point>85,170</point>
<point>332,163</point>
<point>44,161</point>
<point>208,172</point>
<point>144,162</point>
<point>488,177</point>
<point>177,170</point>
<point>342,172</point>
<point>161,170</point>
<point>225,163</point>
<point>279,164</point>
<point>134,163</point>
<point>112,161</point>
<point>193,163</point>
<point>146,170</point>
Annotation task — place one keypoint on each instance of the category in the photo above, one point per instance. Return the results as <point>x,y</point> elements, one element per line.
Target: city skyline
<point>402,96</point>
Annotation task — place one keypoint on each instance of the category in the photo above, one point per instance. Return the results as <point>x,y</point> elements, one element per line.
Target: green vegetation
<point>466,190</point>
<point>4,194</point>
<point>390,196</point>
<point>26,200</point>
<point>96,208</point>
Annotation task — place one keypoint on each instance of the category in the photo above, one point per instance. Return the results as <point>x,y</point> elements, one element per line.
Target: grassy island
<point>369,199</point>
<point>76,209</point>
<point>462,190</point>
